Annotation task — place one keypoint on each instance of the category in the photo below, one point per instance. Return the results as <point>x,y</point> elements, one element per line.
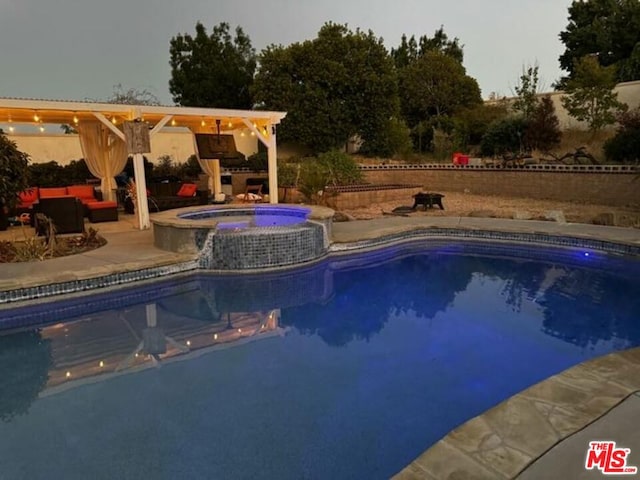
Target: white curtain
<point>104,153</point>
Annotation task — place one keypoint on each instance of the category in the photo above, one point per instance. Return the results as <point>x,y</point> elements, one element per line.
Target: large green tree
<point>410,50</point>
<point>337,85</point>
<point>608,29</point>
<point>212,70</point>
<point>589,94</point>
<point>436,85</point>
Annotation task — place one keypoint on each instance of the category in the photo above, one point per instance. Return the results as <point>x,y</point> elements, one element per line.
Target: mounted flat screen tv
<point>211,146</point>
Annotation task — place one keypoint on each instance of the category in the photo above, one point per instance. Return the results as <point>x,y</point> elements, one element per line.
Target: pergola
<point>103,141</point>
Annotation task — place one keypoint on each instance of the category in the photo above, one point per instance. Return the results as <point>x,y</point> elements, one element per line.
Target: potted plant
<point>14,177</point>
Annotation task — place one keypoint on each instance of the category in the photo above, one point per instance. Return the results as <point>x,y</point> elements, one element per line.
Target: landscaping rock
<point>342,217</point>
<point>555,216</point>
<point>605,218</point>
<point>522,215</point>
<point>483,214</point>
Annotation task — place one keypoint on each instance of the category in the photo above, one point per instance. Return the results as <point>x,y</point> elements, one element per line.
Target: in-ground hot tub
<point>246,237</point>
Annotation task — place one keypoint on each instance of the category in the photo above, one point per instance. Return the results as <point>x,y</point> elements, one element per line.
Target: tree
<point>624,147</point>
<point>132,96</point>
<point>527,92</point>
<point>470,124</point>
<point>543,131</point>
<point>14,175</point>
<point>436,85</point>
<point>589,94</point>
<point>212,70</point>
<point>410,50</point>
<point>608,29</point>
<point>338,85</point>
<point>504,136</point>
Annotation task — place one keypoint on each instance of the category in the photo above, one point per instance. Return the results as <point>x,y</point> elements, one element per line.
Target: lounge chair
<point>252,193</point>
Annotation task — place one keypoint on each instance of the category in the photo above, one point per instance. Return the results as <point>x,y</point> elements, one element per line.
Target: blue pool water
<point>349,369</point>
<point>260,221</point>
<point>252,216</point>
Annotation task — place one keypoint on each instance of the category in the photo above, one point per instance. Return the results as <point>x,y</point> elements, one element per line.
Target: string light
<point>101,364</point>
<point>41,128</point>
<point>188,343</point>
<point>203,123</point>
<point>68,374</point>
<point>114,120</point>
<point>36,117</point>
<point>75,119</point>
<point>215,336</point>
<point>230,125</point>
<point>173,122</point>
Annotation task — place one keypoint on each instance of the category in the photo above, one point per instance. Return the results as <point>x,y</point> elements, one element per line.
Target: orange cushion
<point>101,205</point>
<point>53,192</point>
<point>29,195</point>
<point>83,192</point>
<point>187,190</point>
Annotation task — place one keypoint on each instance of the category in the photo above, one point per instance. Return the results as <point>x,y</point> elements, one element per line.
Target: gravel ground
<point>464,205</point>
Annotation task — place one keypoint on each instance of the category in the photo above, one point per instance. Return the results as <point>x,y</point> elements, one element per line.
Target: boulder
<point>522,215</point>
<point>342,217</point>
<point>605,218</point>
<point>555,216</point>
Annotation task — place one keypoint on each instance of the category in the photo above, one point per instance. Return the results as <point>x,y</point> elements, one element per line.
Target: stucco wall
<point>615,189</point>
<point>178,143</point>
<point>628,93</point>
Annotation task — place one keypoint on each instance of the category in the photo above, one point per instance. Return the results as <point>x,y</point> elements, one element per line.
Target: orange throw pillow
<point>188,190</point>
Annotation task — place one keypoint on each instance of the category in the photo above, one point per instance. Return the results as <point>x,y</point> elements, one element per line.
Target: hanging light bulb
<point>36,117</point>
<point>173,122</point>
<point>41,128</point>
<point>11,129</point>
<point>203,123</point>
<point>75,119</point>
<point>242,133</point>
<point>230,125</point>
<point>114,120</point>
<point>253,134</point>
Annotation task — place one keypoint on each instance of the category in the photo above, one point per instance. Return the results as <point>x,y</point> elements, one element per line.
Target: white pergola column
<point>141,179</point>
<point>272,159</point>
<point>216,182</point>
<point>142,204</point>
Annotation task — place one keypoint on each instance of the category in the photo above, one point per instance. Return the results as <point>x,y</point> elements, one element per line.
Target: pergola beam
<point>109,125</point>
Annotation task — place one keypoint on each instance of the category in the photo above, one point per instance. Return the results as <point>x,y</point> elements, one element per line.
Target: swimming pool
<point>348,369</point>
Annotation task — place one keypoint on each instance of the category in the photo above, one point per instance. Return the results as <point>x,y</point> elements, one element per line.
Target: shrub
<point>470,124</point>
<point>624,147</point>
<point>258,162</point>
<point>51,174</point>
<point>341,168</point>
<point>288,174</point>
<point>14,175</point>
<point>313,179</point>
<point>504,136</point>
<point>190,169</point>
<point>543,131</point>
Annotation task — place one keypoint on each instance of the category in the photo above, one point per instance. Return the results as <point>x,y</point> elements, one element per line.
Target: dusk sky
<point>80,49</point>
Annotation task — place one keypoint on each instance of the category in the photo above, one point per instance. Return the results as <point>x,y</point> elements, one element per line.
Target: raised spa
<point>241,237</point>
